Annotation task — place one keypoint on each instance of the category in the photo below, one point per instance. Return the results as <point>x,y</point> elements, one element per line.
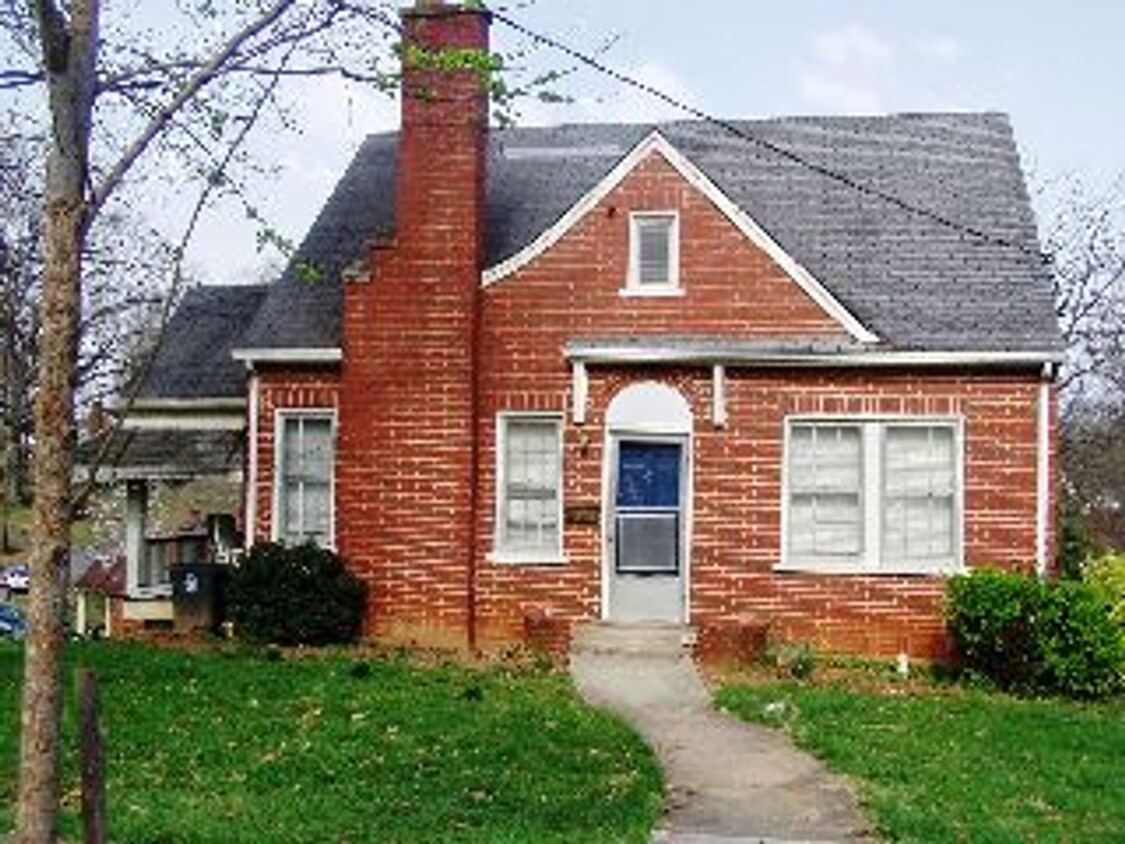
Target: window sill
<point>654,292</point>
<point>866,570</point>
<point>148,593</point>
<point>512,558</point>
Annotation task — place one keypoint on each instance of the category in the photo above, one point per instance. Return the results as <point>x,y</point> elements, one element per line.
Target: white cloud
<point>938,48</point>
<point>847,70</point>
<point>853,69</point>
<point>841,95</point>
<point>852,45</point>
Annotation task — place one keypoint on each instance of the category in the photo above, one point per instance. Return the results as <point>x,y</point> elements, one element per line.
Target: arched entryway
<point>647,495</point>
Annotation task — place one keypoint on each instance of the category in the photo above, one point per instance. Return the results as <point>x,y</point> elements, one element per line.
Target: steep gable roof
<point>194,360</point>
<point>916,283</point>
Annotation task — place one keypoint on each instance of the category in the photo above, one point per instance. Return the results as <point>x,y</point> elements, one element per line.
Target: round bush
<point>300,595</point>
<point>1034,636</point>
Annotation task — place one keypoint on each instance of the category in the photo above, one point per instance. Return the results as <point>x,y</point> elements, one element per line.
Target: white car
<point>16,578</point>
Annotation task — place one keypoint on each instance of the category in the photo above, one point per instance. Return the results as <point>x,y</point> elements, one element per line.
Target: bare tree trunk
<point>69,52</point>
<point>54,415</point>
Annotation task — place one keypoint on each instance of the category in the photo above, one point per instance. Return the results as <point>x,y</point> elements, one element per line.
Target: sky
<point>1055,67</point>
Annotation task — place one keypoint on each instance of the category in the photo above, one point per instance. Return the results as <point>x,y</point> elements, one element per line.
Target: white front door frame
<point>655,434</point>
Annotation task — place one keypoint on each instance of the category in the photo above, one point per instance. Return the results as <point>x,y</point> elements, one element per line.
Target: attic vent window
<point>654,254</point>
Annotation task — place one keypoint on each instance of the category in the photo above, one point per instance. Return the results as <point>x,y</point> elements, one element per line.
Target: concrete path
<point>727,781</point>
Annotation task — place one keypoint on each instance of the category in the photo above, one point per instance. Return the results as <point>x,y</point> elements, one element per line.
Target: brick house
<point>533,377</point>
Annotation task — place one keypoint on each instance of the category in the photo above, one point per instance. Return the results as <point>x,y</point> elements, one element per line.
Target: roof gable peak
<point>656,143</point>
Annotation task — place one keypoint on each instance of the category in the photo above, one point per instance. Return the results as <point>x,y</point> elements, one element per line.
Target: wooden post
<point>93,761</point>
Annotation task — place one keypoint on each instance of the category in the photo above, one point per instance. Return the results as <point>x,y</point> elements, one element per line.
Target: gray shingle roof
<point>916,283</point>
<point>194,360</point>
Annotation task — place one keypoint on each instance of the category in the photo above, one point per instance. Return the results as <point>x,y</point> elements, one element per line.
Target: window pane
<point>648,474</point>
<point>530,493</point>
<point>654,250</point>
<point>317,450</point>
<point>919,513</point>
<point>825,498</point>
<point>318,507</point>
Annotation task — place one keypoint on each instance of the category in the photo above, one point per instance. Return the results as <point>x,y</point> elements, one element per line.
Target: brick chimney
<point>439,190</point>
<point>406,490</point>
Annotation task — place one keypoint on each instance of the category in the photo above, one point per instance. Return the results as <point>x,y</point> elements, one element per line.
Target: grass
<point>218,747</point>
<point>960,765</point>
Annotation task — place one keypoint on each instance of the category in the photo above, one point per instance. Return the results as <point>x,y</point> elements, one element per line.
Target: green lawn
<point>216,747</point>
<point>961,766</point>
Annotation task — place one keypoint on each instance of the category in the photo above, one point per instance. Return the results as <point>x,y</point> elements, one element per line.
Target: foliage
<point>1093,463</point>
<point>960,766</point>
<point>1038,637</point>
<point>1107,574</point>
<point>1075,544</point>
<point>796,660</point>
<point>301,595</point>
<point>226,746</point>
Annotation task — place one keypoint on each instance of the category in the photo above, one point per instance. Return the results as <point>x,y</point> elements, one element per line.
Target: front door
<point>646,553</point>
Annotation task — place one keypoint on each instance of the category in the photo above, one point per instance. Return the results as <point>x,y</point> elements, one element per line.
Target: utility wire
<point>770,146</point>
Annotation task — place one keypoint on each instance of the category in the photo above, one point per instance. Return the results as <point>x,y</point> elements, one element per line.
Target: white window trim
<point>498,554</point>
<point>633,285</point>
<point>872,427</point>
<point>279,418</point>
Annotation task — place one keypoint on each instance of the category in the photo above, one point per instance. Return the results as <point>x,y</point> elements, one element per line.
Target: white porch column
<point>136,515</point>
<point>580,387</point>
<point>719,396</point>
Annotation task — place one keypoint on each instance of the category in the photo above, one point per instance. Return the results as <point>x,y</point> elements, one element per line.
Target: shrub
<point>1075,544</point>
<point>1032,636</point>
<point>991,616</point>
<point>791,659</point>
<point>1107,574</point>
<point>301,595</point>
<point>1082,646</point>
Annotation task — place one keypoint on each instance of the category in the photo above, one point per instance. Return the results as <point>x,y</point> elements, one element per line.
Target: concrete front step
<point>634,638</point>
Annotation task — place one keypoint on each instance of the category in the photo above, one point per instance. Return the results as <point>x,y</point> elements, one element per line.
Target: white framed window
<point>871,495</point>
<point>654,254</point>
<point>304,477</point>
<point>528,488</point>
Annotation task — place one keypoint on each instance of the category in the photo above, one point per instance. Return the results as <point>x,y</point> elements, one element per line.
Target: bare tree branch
<point>194,84</point>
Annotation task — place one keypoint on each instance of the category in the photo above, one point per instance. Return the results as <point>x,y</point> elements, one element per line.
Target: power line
<point>776,149</point>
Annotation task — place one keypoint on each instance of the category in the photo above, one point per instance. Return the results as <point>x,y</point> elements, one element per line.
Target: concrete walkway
<point>727,781</point>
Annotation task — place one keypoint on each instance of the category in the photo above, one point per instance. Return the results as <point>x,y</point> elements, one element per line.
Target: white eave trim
<point>200,405</point>
<point>293,355</point>
<point>655,142</point>
<point>629,354</point>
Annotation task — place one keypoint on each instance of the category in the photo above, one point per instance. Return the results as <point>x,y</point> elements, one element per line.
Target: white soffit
<point>657,143</point>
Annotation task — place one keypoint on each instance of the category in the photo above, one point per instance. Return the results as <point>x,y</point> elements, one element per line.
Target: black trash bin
<point>199,592</point>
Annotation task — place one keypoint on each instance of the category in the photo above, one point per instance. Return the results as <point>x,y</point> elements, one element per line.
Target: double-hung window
<point>654,254</point>
<point>529,484</point>
<point>306,456</point>
<point>872,495</point>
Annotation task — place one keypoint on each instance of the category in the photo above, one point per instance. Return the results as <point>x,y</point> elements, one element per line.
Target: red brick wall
<point>734,290</point>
